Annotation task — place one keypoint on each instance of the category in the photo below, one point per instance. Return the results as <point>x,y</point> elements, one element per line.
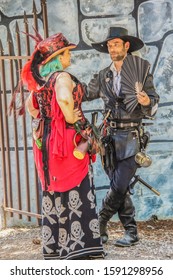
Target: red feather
<point>27,78</point>
<point>37,38</point>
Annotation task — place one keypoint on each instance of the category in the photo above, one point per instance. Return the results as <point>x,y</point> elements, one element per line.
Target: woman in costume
<point>70,223</point>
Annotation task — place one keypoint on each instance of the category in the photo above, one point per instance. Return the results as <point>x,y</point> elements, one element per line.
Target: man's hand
<point>143,98</point>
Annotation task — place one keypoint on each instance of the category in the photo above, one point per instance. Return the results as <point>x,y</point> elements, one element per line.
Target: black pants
<point>118,200</point>
<point>122,174</point>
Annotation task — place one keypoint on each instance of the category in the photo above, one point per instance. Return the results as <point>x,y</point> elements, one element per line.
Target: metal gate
<point>21,191</point>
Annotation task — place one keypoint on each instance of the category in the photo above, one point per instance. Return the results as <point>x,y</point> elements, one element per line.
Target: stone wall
<point>84,22</point>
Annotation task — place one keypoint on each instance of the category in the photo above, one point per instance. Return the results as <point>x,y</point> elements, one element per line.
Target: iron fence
<point>21,195</point>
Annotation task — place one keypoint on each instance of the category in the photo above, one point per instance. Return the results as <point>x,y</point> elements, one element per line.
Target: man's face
<point>117,49</point>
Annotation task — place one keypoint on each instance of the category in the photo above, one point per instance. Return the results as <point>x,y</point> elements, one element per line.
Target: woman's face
<point>65,59</point>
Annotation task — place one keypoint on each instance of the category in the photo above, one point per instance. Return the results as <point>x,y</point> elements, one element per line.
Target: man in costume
<point>121,134</point>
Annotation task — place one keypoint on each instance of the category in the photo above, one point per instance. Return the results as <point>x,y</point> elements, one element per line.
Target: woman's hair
<point>32,76</point>
<point>37,59</point>
<point>51,66</point>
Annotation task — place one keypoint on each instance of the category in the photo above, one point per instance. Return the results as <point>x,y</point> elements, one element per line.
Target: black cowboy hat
<point>122,33</point>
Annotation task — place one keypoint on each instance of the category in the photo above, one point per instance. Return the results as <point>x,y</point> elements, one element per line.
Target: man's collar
<point>112,67</point>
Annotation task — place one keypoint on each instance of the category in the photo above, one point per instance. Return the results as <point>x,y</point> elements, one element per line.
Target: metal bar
<point>147,185</point>
<point>2,57</point>
<point>2,146</point>
<point>22,212</point>
<point>9,200</point>
<point>35,18</point>
<point>26,36</point>
<point>37,193</point>
<point>17,166</point>
<point>35,171</point>
<point>45,19</point>
<point>23,126</point>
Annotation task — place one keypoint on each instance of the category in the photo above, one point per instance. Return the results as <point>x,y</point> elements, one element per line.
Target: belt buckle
<point>113,124</point>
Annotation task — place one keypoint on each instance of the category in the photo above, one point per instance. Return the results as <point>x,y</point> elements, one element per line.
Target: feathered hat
<point>45,50</point>
<point>53,45</point>
<point>122,33</point>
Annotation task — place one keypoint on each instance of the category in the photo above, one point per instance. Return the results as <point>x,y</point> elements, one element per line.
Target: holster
<point>107,154</point>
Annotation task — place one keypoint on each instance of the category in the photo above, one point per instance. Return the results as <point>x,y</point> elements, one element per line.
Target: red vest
<point>64,170</point>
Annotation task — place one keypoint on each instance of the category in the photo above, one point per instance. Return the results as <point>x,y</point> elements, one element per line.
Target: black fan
<point>133,75</point>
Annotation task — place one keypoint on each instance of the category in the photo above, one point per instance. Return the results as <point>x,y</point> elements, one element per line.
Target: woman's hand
<point>143,98</point>
<point>77,115</point>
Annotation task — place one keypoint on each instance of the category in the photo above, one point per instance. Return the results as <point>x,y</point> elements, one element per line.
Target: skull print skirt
<point>70,224</point>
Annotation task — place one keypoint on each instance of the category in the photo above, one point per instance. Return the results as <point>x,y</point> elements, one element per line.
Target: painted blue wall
<point>84,22</point>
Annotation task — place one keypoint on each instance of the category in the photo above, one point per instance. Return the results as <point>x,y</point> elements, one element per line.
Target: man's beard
<point>117,57</point>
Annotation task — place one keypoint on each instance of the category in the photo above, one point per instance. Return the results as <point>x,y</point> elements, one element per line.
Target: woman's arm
<point>32,105</point>
<point>64,88</point>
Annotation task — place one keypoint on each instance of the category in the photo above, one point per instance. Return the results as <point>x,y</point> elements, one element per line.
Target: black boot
<point>126,214</point>
<point>110,206</point>
<point>103,229</point>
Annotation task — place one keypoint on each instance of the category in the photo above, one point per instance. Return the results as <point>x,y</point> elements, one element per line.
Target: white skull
<point>90,196</point>
<point>73,198</point>
<point>94,225</point>
<point>62,236</point>
<point>76,229</point>
<point>46,233</point>
<point>58,204</point>
<point>47,204</point>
